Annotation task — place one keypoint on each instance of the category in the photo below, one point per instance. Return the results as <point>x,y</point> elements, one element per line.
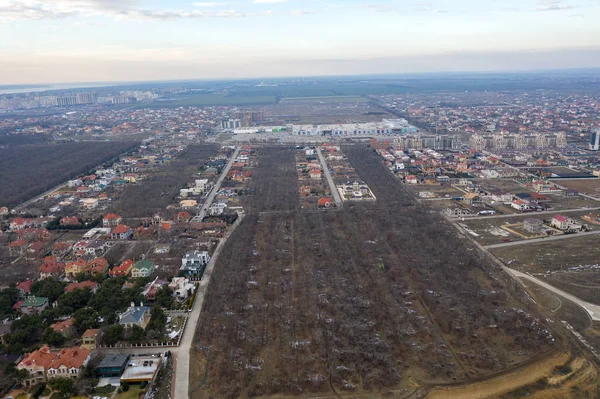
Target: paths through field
<point>545,239</point>
<point>332,187</point>
<point>591,309</point>
<point>516,215</point>
<point>217,186</point>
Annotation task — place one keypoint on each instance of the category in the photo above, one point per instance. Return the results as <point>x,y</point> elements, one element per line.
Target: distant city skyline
<point>65,41</point>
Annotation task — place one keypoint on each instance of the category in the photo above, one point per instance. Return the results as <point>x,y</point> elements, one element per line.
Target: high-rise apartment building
<point>595,141</point>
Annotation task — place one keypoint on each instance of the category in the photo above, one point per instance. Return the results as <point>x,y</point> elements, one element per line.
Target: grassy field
<point>201,100</point>
<point>325,99</point>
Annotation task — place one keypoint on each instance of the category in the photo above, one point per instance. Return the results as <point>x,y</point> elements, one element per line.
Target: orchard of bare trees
<point>364,299</point>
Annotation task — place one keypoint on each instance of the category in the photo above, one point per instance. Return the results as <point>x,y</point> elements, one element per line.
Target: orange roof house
<point>97,266</point>
<point>122,270</point>
<point>73,268</point>
<point>64,328</point>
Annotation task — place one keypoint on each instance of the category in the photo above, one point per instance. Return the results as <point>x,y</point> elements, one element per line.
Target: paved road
<point>334,190</point>
<point>516,215</point>
<point>182,373</point>
<point>182,352</point>
<point>217,186</point>
<point>590,308</point>
<point>545,239</point>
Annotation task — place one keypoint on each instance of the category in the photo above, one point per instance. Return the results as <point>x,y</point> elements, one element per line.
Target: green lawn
<point>132,393</point>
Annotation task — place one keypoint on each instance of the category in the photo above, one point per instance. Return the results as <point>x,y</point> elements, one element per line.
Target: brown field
<point>571,264</point>
<point>586,186</point>
<point>375,299</point>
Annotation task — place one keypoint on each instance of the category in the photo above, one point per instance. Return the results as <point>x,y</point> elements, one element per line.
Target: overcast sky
<point>118,40</point>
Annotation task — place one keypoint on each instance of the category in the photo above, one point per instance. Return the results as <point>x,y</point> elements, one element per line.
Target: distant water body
<point>14,89</point>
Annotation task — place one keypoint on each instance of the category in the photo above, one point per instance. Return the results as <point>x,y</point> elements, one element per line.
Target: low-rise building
<point>44,364</point>
<point>112,365</point>
<point>194,263</point>
<point>182,288</point>
<point>121,232</point>
<point>33,305</point>
<point>135,316</point>
<point>532,225</point>
<point>142,268</point>
<point>90,337</point>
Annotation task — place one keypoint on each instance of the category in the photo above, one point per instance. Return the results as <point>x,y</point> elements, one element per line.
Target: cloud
<point>299,13</point>
<point>552,5</point>
<point>424,8</point>
<point>118,9</point>
<point>207,4</point>
<point>268,1</point>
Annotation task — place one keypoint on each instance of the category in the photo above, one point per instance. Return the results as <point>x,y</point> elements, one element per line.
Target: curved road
<point>590,308</point>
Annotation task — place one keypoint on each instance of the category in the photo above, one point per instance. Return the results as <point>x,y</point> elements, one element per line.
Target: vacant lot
<point>160,190</point>
<point>571,264</point>
<point>379,296</point>
<point>586,186</point>
<point>29,170</point>
<point>201,100</point>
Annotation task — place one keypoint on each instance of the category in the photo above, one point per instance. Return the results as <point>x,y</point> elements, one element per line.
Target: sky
<point>61,41</point>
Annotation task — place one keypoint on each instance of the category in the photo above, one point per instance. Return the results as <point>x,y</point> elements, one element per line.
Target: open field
<point>376,298</point>
<point>29,170</point>
<point>160,190</point>
<point>586,186</point>
<point>489,230</point>
<point>571,265</point>
<point>201,100</point>
<point>325,99</point>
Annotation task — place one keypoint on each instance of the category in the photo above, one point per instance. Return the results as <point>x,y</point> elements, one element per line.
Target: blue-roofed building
<point>135,316</point>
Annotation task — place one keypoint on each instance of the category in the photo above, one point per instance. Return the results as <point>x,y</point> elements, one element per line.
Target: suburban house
<point>112,365</point>
<point>97,267</point>
<point>519,205</point>
<point>51,267</point>
<point>181,288</point>
<point>122,270</point>
<point>73,268</point>
<point>121,232</point>
<point>315,174</point>
<point>324,202</point>
<point>142,268</point>
<point>560,222</point>
<point>152,288</point>
<point>194,263</point>
<point>69,221</point>
<point>135,316</point>
<point>92,286</point>
<point>472,199</point>
<point>32,305</point>
<point>111,220</point>
<point>24,288</point>
<point>44,364</point>
<point>19,223</point>
<point>90,338</point>
<point>532,225</point>
<point>18,247</point>
<point>216,209</point>
<point>457,212</point>
<point>64,328</point>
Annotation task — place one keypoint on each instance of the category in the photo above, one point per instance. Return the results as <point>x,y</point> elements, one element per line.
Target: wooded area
<point>361,300</point>
<point>160,190</point>
<point>29,170</point>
